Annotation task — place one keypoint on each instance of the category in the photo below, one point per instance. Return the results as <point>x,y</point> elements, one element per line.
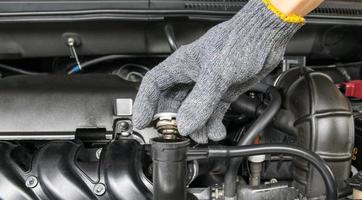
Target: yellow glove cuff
<point>286,18</point>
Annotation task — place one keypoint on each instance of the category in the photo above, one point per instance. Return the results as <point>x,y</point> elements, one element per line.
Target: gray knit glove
<point>201,79</point>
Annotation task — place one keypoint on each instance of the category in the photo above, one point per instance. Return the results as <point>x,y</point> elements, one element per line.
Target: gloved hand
<point>200,80</point>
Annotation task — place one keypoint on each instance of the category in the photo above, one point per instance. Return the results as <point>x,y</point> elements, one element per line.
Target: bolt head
<point>31,182</point>
<point>124,128</point>
<point>71,41</point>
<point>123,125</point>
<point>99,189</point>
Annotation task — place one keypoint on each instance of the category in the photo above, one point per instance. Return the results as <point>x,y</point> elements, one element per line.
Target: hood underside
<point>37,10</point>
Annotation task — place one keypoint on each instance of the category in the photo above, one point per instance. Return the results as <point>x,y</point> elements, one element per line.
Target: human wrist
<point>296,7</point>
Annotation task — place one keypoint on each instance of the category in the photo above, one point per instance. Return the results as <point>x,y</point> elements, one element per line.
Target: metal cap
<point>165,123</point>
<point>165,115</point>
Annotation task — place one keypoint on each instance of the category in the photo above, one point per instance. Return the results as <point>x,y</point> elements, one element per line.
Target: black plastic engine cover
<point>59,104</point>
<point>59,174</point>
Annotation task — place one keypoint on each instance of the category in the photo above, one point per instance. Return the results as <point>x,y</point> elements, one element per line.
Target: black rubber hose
<point>249,136</point>
<point>249,150</point>
<point>247,106</point>
<point>264,119</point>
<point>20,71</point>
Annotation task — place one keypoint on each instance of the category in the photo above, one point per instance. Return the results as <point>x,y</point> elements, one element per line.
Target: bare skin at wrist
<point>296,7</point>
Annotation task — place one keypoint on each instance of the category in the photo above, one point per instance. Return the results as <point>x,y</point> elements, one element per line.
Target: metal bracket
<point>170,34</point>
<point>71,42</point>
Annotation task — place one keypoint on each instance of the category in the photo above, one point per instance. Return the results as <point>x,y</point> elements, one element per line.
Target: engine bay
<point>67,89</point>
<point>74,134</point>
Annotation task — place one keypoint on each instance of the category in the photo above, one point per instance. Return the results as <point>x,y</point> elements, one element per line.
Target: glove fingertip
<point>217,133</point>
<point>140,121</point>
<point>216,130</point>
<point>200,136</point>
<point>199,105</point>
<point>186,123</point>
<point>142,113</point>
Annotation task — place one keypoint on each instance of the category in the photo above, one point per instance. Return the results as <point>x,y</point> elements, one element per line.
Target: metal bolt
<point>31,182</point>
<point>252,95</point>
<point>123,125</point>
<point>273,180</point>
<point>217,192</point>
<point>71,41</point>
<point>99,189</point>
<point>98,153</point>
<point>124,128</point>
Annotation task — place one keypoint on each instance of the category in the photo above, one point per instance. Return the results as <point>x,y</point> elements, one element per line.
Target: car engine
<point>70,72</point>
